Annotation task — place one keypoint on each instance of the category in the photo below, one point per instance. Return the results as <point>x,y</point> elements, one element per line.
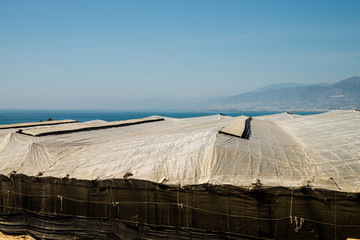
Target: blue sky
<point>100,54</point>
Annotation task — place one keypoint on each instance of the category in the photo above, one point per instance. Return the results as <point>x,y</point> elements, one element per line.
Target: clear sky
<point>100,54</point>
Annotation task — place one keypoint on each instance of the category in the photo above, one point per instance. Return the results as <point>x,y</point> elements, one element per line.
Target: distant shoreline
<point>279,110</point>
<point>10,116</point>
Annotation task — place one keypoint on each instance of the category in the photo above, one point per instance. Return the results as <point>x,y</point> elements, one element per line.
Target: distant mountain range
<point>275,97</point>
<point>287,85</point>
<point>291,96</point>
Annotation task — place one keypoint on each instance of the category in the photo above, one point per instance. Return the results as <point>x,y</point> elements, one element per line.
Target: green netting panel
<point>52,208</point>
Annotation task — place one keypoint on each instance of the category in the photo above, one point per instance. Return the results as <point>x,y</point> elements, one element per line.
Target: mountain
<point>287,85</point>
<point>279,86</point>
<point>342,95</point>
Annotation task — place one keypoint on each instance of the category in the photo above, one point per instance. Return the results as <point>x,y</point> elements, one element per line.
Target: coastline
<point>11,116</point>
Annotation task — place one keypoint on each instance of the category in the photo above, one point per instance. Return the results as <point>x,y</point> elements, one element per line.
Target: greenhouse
<point>281,176</point>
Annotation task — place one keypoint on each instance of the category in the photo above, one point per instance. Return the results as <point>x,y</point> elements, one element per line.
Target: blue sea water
<point>20,116</point>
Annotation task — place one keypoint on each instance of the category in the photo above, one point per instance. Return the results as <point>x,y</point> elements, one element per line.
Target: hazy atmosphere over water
<point>102,54</point>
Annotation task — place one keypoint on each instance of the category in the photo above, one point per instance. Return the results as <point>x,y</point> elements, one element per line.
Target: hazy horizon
<point>95,54</point>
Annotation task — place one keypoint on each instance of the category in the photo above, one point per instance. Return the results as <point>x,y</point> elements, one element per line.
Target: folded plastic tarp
<point>36,132</point>
<point>34,124</point>
<point>239,127</point>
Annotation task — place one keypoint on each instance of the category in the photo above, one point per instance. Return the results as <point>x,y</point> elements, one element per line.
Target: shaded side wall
<point>53,208</point>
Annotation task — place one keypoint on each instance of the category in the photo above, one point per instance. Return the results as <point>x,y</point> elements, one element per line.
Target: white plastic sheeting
<point>332,143</point>
<point>321,151</point>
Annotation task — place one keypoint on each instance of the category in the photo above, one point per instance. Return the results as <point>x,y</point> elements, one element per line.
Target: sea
<point>10,116</point>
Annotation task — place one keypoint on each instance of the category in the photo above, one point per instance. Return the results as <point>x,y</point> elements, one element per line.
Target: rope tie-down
<point>61,202</point>
<point>298,221</point>
<point>179,204</point>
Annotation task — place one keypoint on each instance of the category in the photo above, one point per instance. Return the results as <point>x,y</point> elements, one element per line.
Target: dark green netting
<point>52,208</point>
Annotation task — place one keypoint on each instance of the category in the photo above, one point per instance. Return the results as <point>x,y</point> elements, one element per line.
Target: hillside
<point>342,95</point>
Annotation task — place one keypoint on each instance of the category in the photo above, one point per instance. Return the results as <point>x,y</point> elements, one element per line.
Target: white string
<point>180,205</point>
<point>61,202</point>
<point>298,221</point>
<point>291,202</point>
